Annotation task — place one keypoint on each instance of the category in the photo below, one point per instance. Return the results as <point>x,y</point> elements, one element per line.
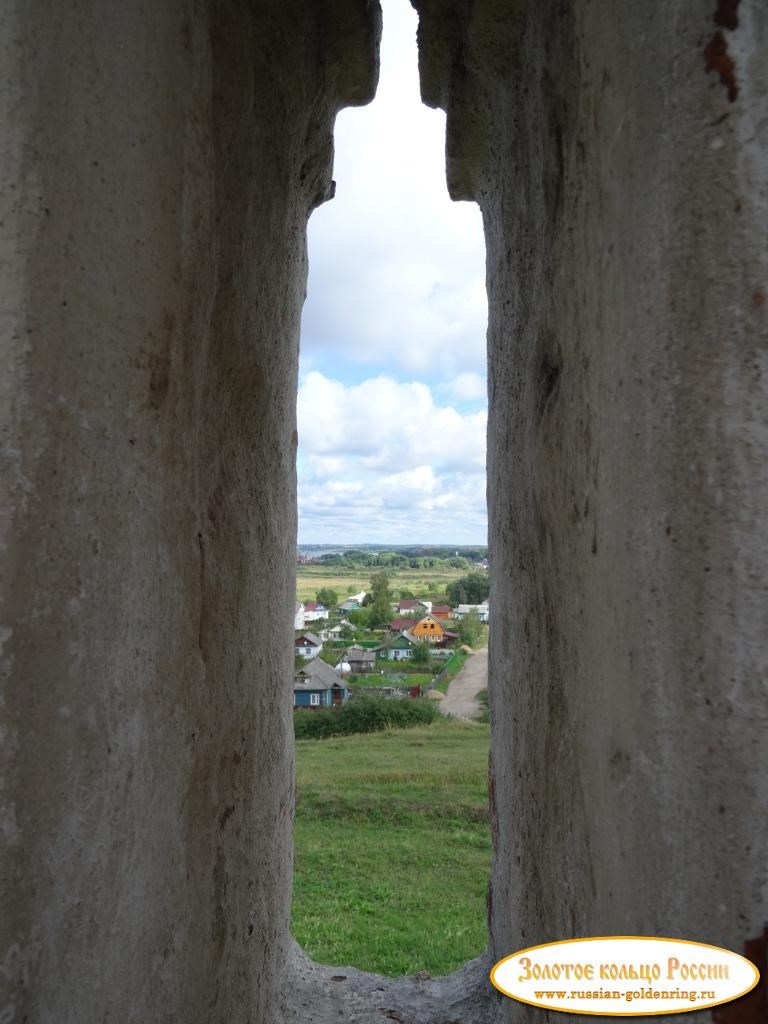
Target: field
<point>310,578</point>
<point>378,680</point>
<point>393,848</point>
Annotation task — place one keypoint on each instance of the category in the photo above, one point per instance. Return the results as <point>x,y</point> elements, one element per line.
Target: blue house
<point>317,685</point>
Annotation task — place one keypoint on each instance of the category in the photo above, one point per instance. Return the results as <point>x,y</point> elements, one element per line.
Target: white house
<point>307,645</point>
<point>465,609</point>
<point>314,611</point>
<point>337,631</point>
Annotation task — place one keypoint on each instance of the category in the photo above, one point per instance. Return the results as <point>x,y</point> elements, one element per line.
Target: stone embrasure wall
<point>159,163</point>
<point>619,153</point>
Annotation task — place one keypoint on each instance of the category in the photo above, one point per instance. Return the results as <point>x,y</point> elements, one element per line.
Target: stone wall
<point>619,153</point>
<point>159,163</point>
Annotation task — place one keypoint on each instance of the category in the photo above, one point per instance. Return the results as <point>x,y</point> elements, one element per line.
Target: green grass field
<point>378,680</point>
<point>392,848</point>
<point>310,578</point>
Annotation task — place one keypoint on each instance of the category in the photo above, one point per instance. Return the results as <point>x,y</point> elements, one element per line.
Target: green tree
<point>360,617</point>
<point>328,597</point>
<point>470,628</point>
<point>354,557</point>
<point>380,608</point>
<point>471,589</point>
<point>422,653</point>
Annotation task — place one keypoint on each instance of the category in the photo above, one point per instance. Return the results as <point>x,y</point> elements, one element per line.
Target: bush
<point>367,714</point>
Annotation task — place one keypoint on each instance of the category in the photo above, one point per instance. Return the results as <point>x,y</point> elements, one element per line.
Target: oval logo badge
<point>624,976</point>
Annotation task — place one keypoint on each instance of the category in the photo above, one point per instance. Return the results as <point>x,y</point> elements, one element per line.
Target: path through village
<point>460,699</point>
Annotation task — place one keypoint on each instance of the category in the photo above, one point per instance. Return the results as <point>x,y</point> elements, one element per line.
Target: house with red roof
<point>314,611</point>
<point>398,625</point>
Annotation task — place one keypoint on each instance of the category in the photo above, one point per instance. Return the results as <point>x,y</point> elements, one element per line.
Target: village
<point>415,654</point>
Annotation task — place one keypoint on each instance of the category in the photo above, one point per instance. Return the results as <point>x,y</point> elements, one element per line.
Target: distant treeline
<point>408,558</point>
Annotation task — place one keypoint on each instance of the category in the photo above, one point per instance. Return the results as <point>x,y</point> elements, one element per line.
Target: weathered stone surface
<point>623,189</point>
<point>325,995</point>
<point>159,164</point>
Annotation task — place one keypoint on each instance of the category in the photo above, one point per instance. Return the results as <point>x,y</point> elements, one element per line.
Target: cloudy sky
<point>392,393</point>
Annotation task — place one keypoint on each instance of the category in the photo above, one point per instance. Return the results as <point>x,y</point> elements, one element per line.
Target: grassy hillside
<point>393,848</point>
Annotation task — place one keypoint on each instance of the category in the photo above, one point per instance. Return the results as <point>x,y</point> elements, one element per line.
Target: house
<point>337,631</point>
<point>298,615</point>
<point>449,639</point>
<point>401,648</point>
<point>317,685</point>
<point>350,605</point>
<point>465,609</point>
<point>441,611</point>
<point>307,645</point>
<point>314,611</point>
<point>359,659</point>
<point>398,625</point>
<point>428,629</point>
<point>413,606</point>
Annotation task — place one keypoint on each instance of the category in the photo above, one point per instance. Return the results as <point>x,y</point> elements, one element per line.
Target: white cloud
<point>380,460</point>
<point>396,303</point>
<point>396,268</point>
<point>466,387</point>
<point>385,424</point>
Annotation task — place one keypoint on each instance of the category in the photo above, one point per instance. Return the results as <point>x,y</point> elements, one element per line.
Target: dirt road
<point>460,700</point>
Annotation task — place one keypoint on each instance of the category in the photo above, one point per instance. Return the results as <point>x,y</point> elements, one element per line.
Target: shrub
<point>485,710</point>
<point>367,714</point>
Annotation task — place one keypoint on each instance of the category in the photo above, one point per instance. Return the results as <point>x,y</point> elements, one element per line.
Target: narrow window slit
<point>392,840</point>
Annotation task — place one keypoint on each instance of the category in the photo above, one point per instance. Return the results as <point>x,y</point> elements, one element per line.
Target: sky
<point>392,375</point>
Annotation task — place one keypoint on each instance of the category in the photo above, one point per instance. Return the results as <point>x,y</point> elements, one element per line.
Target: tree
<point>422,653</point>
<point>471,589</point>
<point>380,607</point>
<point>328,597</point>
<point>470,628</point>
<point>360,617</point>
